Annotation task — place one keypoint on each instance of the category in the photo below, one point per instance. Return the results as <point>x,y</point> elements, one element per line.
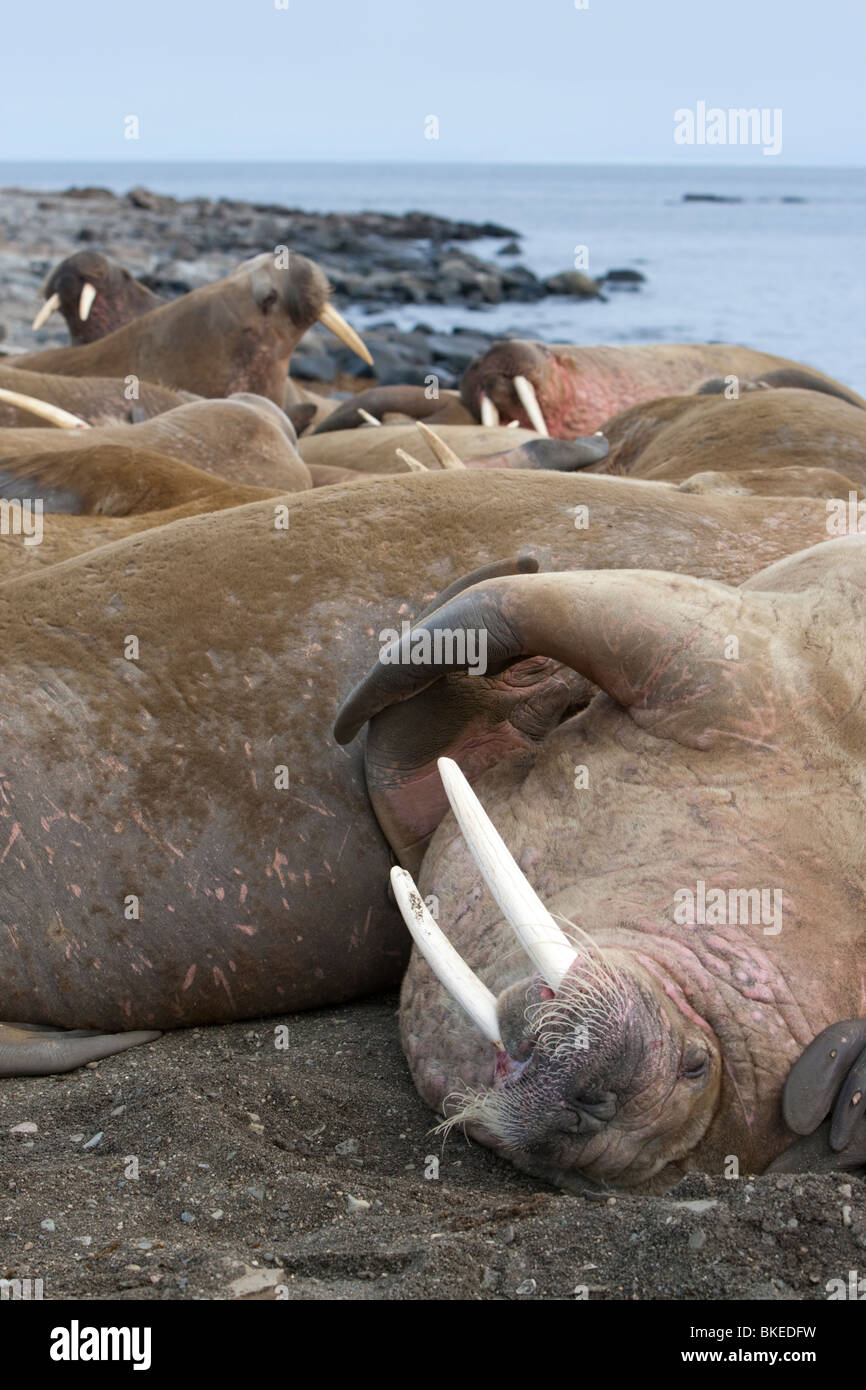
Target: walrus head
<point>514,380</point>
<point>94,295</point>
<point>293,293</point>
<point>593,1067</point>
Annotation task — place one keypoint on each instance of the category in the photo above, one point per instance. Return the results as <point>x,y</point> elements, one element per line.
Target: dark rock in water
<point>622,280</point>
<point>710,198</point>
<point>510,248</point>
<point>793,198</point>
<point>308,366</point>
<point>573,282</point>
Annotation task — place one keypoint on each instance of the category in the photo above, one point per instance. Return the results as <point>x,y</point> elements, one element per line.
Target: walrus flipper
<point>29,1049</point>
<point>825,1101</point>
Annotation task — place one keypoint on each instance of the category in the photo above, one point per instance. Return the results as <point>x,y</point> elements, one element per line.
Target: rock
<point>25,1127</point>
<point>255,1281</point>
<point>152,202</point>
<point>348,1146</point>
<point>511,248</point>
<point>709,198</point>
<point>356,1205</point>
<point>573,282</point>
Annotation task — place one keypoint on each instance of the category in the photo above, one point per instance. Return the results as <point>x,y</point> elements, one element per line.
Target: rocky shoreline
<point>373,260</point>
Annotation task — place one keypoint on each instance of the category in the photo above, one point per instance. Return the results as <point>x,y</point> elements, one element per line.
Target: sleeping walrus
<point>689,905</point>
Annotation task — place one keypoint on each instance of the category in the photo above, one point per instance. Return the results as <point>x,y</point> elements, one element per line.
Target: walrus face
<point>292,293</point>
<point>94,295</point>
<point>603,1077</point>
<point>506,383</point>
<point>590,1067</point>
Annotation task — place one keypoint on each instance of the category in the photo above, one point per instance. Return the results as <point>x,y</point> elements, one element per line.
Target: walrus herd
<point>564,672</point>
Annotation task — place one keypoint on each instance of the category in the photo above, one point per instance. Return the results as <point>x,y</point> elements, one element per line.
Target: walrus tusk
<point>85,303</point>
<point>446,963</point>
<point>546,945</point>
<point>513,425</point>
<point>365,415</point>
<point>345,332</point>
<point>528,399</point>
<point>414,465</point>
<point>489,413</point>
<point>61,418</point>
<point>443,451</point>
<point>46,311</point>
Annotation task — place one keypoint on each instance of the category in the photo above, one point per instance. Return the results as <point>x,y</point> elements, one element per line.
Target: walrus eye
<point>695,1063</point>
<point>269,301</point>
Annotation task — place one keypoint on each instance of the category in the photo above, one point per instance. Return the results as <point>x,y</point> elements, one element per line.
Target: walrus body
<point>682,831</point>
<point>245,439</point>
<point>162,778</point>
<point>578,388</point>
<point>92,398</point>
<point>673,438</point>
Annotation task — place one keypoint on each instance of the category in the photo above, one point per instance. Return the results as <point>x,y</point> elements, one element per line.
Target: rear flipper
<point>29,1049</point>
<point>829,1080</point>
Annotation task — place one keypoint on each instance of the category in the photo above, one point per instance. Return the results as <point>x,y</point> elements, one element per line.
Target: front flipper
<point>29,1049</point>
<point>829,1080</point>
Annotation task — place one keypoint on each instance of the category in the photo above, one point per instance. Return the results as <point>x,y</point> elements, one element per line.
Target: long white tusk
<point>513,425</point>
<point>489,413</point>
<point>85,303</point>
<point>365,415</point>
<point>414,465</point>
<point>446,963</point>
<point>345,332</point>
<point>443,451</point>
<point>528,399</point>
<point>546,945</point>
<point>46,311</point>
<point>53,413</point>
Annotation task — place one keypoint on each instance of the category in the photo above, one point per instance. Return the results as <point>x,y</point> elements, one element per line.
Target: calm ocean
<point>787,277</point>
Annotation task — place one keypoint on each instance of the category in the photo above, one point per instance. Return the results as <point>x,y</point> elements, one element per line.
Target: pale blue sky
<point>523,80</point>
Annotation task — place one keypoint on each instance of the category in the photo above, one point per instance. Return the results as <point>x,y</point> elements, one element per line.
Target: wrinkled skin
<point>155,777</point>
<point>96,399</point>
<point>578,388</point>
<point>676,437</point>
<point>740,773</point>
<point>245,439</point>
<point>235,335</point>
<point>119,296</point>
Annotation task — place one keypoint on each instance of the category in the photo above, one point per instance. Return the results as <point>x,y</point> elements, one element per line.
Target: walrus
<point>94,399</point>
<point>375,450</point>
<point>412,401</point>
<point>569,390</point>
<point>676,437</point>
<point>242,439</point>
<point>653,949</point>
<point>181,839</point>
<point>787,377</point>
<point>95,295</point>
<point>235,335</point>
